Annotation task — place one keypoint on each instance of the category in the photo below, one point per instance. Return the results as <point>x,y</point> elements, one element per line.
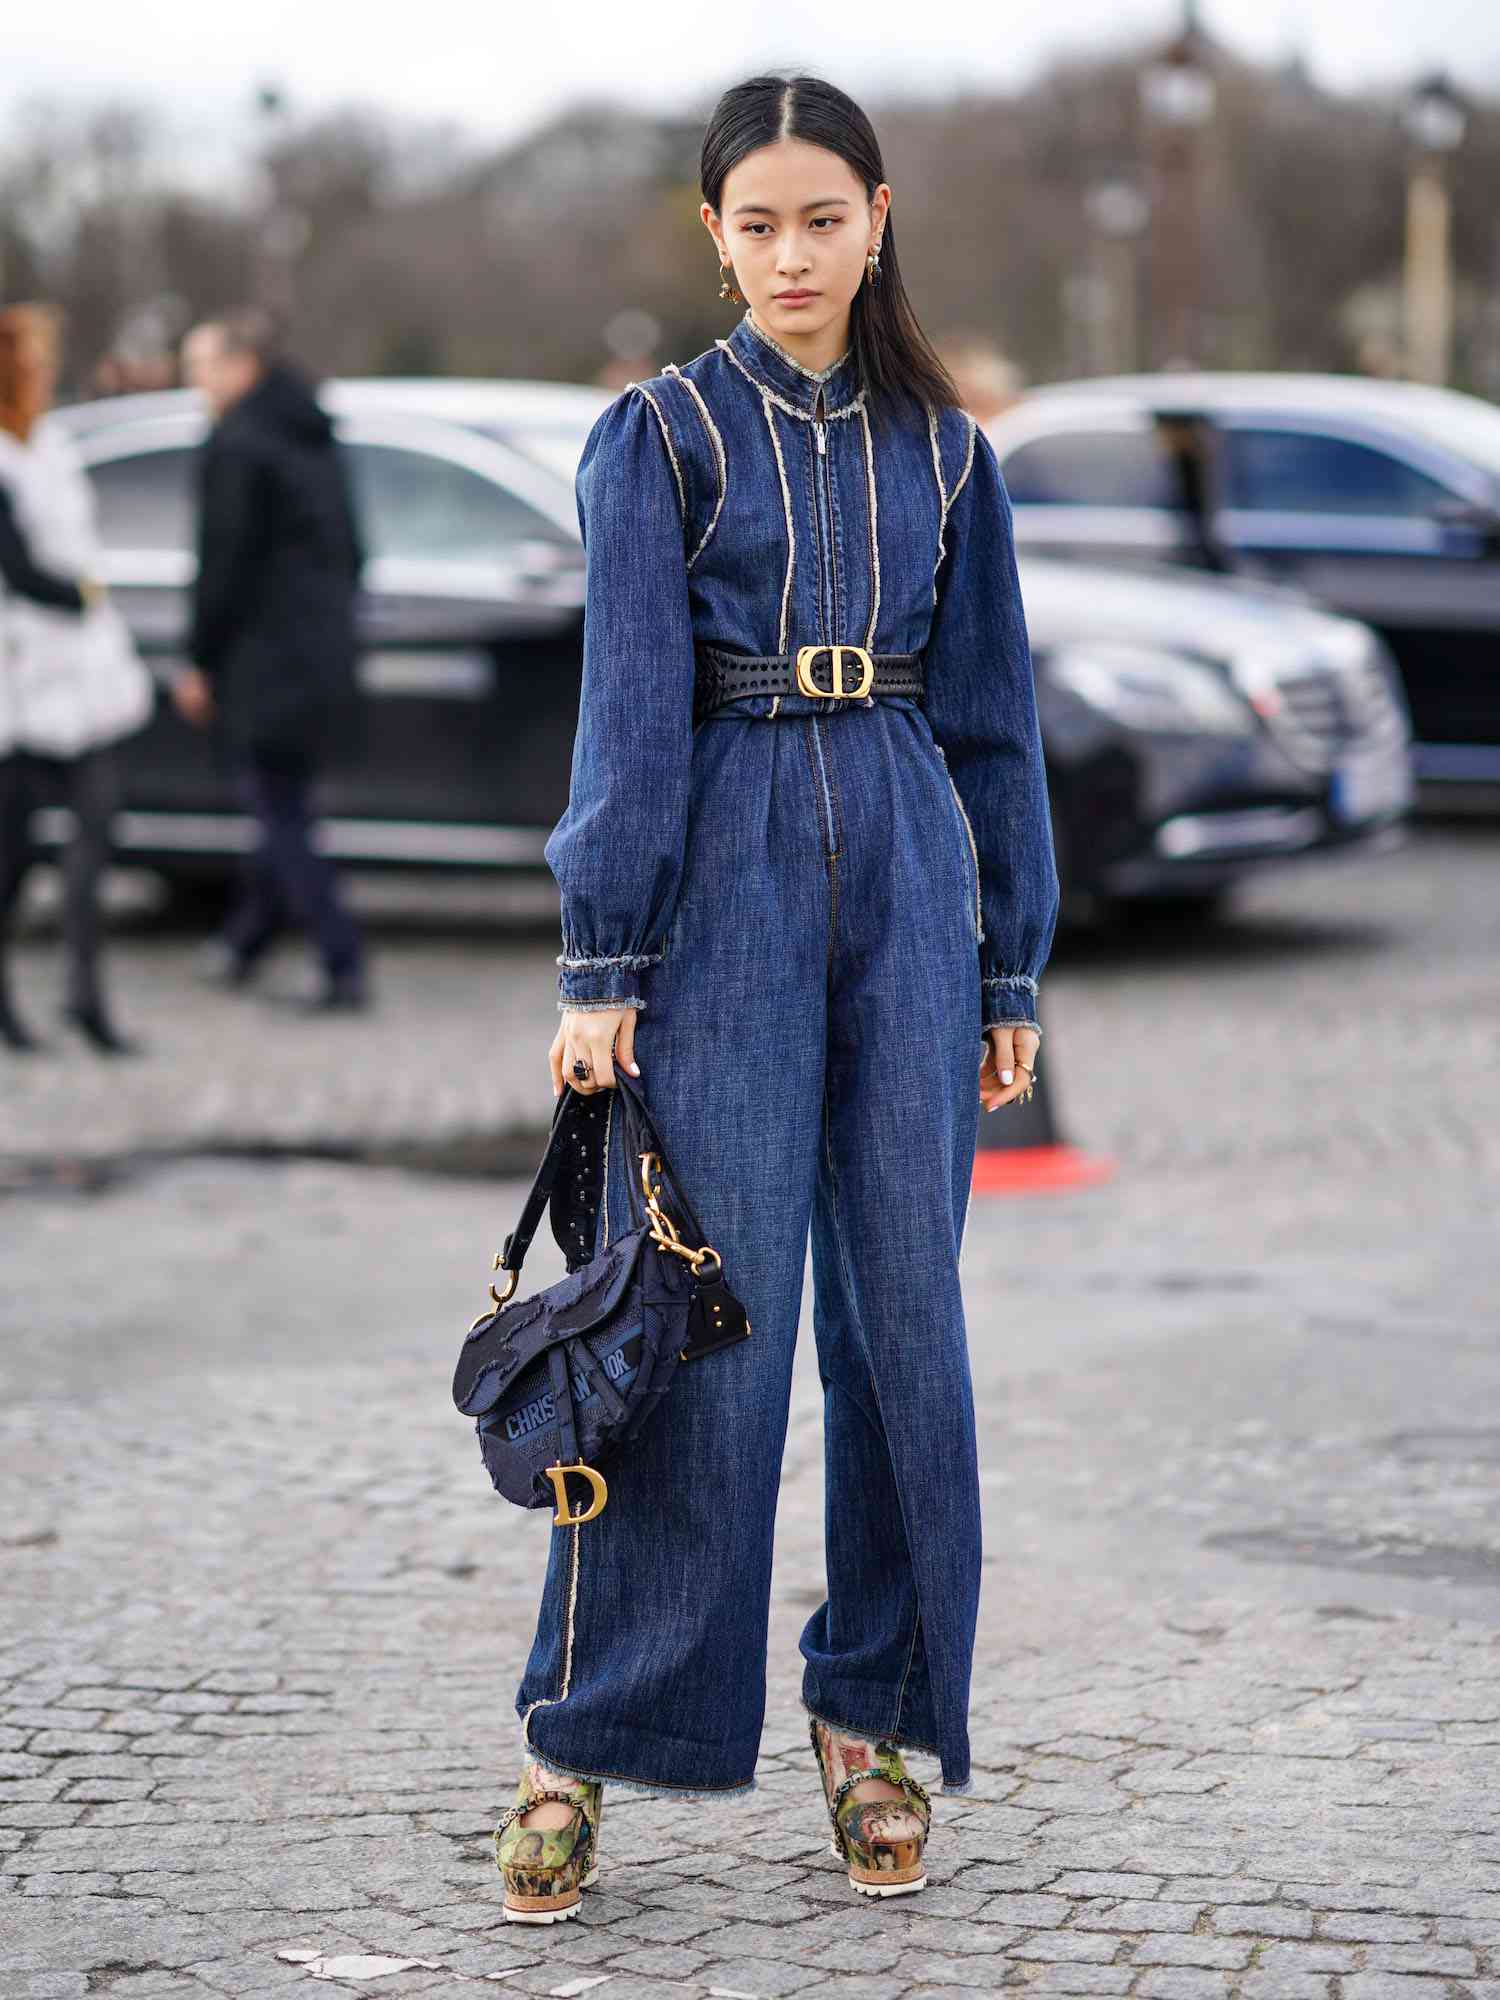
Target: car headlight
<point>1144,688</point>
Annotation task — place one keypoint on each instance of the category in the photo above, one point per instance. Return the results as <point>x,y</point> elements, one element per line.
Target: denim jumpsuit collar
<point>773,368</point>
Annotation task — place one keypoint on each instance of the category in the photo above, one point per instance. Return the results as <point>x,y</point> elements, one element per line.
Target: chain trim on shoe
<point>880,1862</point>
<point>545,1868</point>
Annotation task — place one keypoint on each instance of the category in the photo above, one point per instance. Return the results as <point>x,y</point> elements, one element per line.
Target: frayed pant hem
<point>646,1788</point>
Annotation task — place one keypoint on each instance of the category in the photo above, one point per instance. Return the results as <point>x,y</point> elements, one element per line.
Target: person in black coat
<point>273,632</point>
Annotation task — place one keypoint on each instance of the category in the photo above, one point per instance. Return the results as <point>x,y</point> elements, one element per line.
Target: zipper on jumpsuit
<point>829,607</point>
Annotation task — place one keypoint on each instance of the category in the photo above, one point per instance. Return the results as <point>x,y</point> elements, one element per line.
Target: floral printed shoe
<point>545,1868</point>
<point>881,1838</point>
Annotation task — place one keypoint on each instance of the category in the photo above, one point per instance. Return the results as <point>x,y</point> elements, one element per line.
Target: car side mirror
<point>1474,516</point>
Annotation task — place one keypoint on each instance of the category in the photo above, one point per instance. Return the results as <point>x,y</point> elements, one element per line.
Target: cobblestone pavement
<point>1237,1702</point>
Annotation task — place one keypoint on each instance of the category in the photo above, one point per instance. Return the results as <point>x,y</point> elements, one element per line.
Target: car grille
<point>1324,709</point>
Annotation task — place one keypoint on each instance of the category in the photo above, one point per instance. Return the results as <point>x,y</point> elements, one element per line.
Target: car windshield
<point>1466,425</point>
<point>557,446</point>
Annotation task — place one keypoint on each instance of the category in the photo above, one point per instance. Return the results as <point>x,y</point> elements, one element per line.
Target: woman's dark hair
<point>894,357</point>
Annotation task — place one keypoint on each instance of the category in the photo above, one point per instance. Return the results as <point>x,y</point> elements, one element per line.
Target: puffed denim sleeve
<point>617,850</point>
<point>980,700</point>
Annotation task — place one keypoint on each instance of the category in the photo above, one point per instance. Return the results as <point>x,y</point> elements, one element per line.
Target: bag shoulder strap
<point>571,1116</point>
<point>575,1145</point>
<point>646,1138</point>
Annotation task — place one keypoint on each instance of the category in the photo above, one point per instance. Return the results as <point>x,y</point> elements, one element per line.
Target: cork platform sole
<point>548,1909</point>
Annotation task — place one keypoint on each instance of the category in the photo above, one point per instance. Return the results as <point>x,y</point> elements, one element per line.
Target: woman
<point>70,681</point>
<point>806,897</point>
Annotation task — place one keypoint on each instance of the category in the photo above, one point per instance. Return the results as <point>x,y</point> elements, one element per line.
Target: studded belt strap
<point>829,673</point>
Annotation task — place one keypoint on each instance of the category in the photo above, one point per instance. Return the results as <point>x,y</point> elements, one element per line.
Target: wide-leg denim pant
<point>809,1049</point>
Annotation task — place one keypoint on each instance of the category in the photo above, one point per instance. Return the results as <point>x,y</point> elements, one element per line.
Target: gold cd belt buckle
<point>807,654</point>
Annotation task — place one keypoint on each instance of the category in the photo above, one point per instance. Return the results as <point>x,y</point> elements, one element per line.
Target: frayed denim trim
<point>596,1006</point>
<point>627,961</point>
<point>956,1791</point>
<point>667,441</point>
<point>635,1787</point>
<point>1022,979</point>
<point>1035,1026</point>
<point>812,374</point>
<point>963,477</point>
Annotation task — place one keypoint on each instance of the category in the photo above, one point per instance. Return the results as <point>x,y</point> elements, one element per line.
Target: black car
<point>1377,499</point>
<point>470,616</point>
<point>1197,729</point>
<point>1193,729</point>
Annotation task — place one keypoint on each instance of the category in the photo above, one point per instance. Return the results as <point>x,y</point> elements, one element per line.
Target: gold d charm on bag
<point>558,1474</point>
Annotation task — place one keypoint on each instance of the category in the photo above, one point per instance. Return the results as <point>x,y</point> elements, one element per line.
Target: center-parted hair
<point>896,361</point>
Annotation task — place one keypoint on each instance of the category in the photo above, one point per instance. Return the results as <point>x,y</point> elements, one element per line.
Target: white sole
<point>887,1889</point>
<point>540,1916</point>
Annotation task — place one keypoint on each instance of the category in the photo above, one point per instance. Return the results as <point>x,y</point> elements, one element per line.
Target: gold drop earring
<point>726,284</point>
<point>872,264</point>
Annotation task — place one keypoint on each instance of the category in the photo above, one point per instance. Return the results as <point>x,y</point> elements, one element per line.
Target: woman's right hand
<point>589,1035</point>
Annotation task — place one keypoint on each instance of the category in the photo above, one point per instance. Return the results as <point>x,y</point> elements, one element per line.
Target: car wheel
<point>1182,907</point>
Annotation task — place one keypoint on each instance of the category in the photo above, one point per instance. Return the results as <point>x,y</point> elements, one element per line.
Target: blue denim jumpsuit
<point>818,904</point>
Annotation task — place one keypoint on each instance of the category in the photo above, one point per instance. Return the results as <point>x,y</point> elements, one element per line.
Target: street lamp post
<point>281,229</point>
<point>1118,212</point>
<point>1436,119</point>
<point>1177,99</point>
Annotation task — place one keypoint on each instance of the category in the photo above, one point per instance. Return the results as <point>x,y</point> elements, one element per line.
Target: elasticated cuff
<point>603,982</point>
<point>1008,1000</point>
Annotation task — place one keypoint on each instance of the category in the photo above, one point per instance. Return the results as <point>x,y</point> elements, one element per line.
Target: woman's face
<point>793,219</point>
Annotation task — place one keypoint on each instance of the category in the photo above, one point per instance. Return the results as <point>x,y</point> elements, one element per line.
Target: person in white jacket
<point>71,682</point>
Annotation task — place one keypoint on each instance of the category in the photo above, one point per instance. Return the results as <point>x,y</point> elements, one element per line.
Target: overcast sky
<point>498,69</point>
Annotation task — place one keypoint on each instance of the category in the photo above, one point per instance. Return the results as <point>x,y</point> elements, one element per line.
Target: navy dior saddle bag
<point>560,1381</point>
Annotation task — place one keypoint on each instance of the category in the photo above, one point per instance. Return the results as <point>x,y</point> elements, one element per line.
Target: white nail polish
<point>1007,1076</point>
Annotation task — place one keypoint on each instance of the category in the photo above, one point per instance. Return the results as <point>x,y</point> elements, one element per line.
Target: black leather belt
<point>830,673</point>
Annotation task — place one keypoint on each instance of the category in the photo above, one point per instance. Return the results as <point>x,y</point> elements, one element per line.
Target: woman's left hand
<point>1010,1050</point>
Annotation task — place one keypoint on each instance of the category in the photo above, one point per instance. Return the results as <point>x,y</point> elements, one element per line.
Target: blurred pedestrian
<point>988,382</point>
<point>1185,440</point>
<point>272,643</point>
<point>71,682</point>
